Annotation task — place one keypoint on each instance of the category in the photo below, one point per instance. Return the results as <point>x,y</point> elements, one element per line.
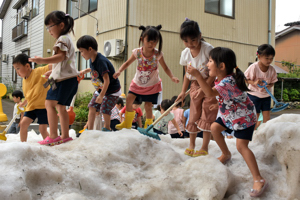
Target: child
<point>177,111</point>
<point>162,126</point>
<point>137,120</point>
<point>115,117</point>
<point>146,83</point>
<point>107,88</point>
<point>17,98</point>
<point>196,53</point>
<point>237,110</point>
<point>63,77</point>
<point>35,95</point>
<point>255,74</point>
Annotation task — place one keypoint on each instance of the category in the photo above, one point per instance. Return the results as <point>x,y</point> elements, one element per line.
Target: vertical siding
<point>32,41</point>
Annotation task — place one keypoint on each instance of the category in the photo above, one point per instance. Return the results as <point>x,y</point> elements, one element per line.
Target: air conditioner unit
<point>113,47</point>
<point>25,12</point>
<point>4,58</point>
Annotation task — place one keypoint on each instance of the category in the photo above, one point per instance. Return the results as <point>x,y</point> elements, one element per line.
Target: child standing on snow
<point>237,110</point>
<point>146,83</point>
<point>63,77</point>
<point>258,72</point>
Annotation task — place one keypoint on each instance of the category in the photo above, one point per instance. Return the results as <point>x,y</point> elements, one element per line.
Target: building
<point>239,25</point>
<point>22,32</point>
<point>287,45</point>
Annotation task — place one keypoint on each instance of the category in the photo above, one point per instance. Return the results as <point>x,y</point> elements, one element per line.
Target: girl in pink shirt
<point>146,83</point>
<point>258,72</point>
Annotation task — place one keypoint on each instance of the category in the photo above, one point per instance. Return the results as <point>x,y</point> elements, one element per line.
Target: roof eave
<point>4,8</point>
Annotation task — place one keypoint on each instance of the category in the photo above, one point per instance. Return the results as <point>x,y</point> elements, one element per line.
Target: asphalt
<point>8,107</point>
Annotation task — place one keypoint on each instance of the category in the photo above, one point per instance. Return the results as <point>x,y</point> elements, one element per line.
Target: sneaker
<point>105,129</point>
<point>50,142</point>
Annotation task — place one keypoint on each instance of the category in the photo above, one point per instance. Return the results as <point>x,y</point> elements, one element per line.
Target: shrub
<point>81,106</point>
<point>293,95</point>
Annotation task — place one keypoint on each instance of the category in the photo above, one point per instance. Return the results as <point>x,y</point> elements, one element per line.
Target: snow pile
<point>129,165</point>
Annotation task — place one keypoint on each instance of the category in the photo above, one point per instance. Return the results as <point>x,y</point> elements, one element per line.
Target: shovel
<point>152,134</point>
<point>281,106</point>
<point>2,135</point>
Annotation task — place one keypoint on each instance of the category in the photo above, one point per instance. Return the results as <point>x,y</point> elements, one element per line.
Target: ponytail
<point>240,80</point>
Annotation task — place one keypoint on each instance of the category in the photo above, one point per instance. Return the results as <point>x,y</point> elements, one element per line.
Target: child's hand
<point>175,79</point>
<point>180,97</point>
<point>22,104</point>
<point>192,71</point>
<point>85,71</point>
<point>258,82</point>
<point>37,60</point>
<point>47,74</point>
<point>116,75</point>
<point>99,99</point>
<point>213,107</point>
<point>199,94</point>
<point>180,133</point>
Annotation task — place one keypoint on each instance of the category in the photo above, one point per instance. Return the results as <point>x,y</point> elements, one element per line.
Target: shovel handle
<point>169,109</point>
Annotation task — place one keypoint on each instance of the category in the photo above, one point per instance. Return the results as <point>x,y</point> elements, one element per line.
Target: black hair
<point>120,101</point>
<point>18,93</point>
<point>153,35</point>
<point>190,29</point>
<point>22,59</point>
<point>165,104</point>
<point>265,50</point>
<point>86,42</point>
<point>173,99</point>
<point>227,56</point>
<point>57,17</point>
<point>137,102</point>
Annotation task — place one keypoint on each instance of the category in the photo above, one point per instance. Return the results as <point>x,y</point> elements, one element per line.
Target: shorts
<point>64,92</point>
<point>261,104</point>
<point>107,104</point>
<point>245,134</point>
<point>146,98</point>
<point>158,131</point>
<point>41,114</point>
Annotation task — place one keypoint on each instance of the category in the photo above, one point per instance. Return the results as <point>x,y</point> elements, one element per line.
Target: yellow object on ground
<point>3,90</point>
<point>127,123</point>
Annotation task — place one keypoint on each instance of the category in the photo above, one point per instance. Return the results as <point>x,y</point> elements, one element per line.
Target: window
<point>82,64</point>
<point>13,72</point>
<point>81,7</point>
<point>35,7</point>
<point>220,7</point>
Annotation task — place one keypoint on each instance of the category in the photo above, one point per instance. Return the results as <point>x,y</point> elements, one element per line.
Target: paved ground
<point>8,107</point>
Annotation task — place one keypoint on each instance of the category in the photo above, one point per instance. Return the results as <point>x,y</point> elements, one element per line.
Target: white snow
<point>129,165</point>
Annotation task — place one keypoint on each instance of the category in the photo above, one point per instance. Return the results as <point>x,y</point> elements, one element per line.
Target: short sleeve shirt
<point>162,125</point>
<point>254,73</point>
<point>237,110</point>
<point>199,62</point>
<point>101,66</point>
<point>66,68</point>
<point>33,89</point>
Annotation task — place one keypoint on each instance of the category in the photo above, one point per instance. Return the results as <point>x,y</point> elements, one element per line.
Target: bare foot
<point>224,158</point>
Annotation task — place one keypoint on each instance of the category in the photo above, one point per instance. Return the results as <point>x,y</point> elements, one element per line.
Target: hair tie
<point>66,15</point>
<point>158,27</point>
<point>187,19</point>
<point>236,67</point>
<point>143,28</point>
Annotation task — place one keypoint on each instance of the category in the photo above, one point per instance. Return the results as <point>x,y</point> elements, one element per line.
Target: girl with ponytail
<point>237,110</point>
<point>146,83</point>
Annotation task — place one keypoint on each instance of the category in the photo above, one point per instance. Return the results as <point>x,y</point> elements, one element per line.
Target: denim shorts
<point>41,114</point>
<point>261,104</point>
<point>245,134</point>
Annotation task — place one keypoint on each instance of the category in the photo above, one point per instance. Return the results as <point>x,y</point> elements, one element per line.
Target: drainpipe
<point>270,22</point>
<point>126,44</point>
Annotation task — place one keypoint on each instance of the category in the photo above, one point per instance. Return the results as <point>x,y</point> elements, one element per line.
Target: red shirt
<point>138,113</point>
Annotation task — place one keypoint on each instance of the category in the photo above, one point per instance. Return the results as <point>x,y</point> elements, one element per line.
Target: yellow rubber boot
<point>127,123</point>
<point>148,122</point>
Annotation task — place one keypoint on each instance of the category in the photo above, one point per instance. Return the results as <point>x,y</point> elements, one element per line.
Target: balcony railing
<point>19,31</point>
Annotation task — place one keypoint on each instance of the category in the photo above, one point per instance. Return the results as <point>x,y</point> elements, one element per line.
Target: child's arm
<point>23,104</point>
<point>167,70</point>
<point>104,89</point>
<point>139,120</point>
<point>124,66</point>
<point>210,92</point>
<point>58,57</point>
<point>176,126</point>
<point>85,71</point>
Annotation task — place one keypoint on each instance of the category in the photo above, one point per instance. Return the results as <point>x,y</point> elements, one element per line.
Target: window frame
<point>14,75</point>
<point>38,8</point>
<point>219,9</point>
<point>80,13</point>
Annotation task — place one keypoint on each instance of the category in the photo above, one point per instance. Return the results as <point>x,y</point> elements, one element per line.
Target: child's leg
<point>242,147</point>
<point>24,124</point>
<point>266,116</point>
<point>52,117</point>
<point>106,121</point>
<point>193,137</point>
<point>64,121</point>
<point>43,130</point>
<point>91,117</point>
<point>206,140</point>
<point>216,131</point>
<point>148,109</point>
